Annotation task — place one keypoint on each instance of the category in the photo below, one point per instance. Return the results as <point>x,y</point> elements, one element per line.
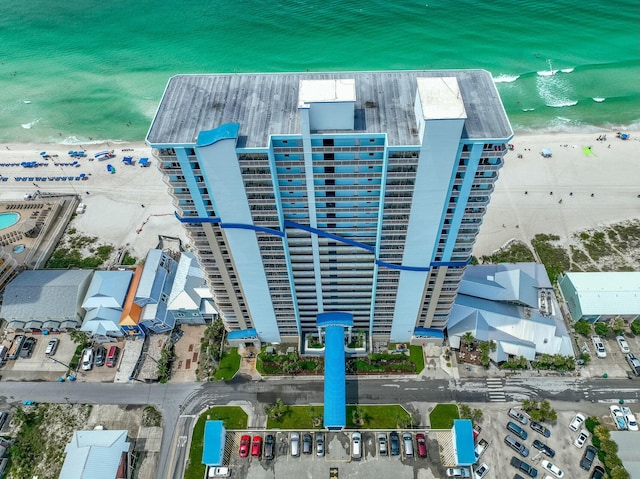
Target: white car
<point>624,347</point>
<point>601,352</point>
<point>618,417</point>
<point>632,424</point>
<point>480,471</point>
<point>577,422</point>
<point>553,469</point>
<point>87,359</point>
<point>581,439</point>
<point>457,472</point>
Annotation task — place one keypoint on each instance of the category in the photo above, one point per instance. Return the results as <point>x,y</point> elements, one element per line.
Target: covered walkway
<point>335,387</point>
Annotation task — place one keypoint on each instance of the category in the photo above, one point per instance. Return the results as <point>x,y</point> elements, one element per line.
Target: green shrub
<point>582,327</point>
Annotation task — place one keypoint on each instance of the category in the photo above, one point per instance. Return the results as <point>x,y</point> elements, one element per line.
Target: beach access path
<point>533,194</point>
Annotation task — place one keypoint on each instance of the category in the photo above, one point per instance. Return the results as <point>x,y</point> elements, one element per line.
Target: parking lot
<point>337,455</point>
<point>40,367</point>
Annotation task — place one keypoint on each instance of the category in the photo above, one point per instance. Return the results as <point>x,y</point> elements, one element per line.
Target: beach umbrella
<point>42,153</point>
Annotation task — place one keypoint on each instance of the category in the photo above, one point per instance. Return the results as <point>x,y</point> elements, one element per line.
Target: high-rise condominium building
<point>308,193</point>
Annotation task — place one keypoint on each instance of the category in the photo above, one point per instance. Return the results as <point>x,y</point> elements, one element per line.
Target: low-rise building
<point>97,454</point>
<point>45,300</point>
<point>512,304</point>
<point>601,296</point>
<point>103,303</point>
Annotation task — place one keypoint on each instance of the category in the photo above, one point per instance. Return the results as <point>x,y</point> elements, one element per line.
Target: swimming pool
<point>8,219</point>
<point>19,248</point>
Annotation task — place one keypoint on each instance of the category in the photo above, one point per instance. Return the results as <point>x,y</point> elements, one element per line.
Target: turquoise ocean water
<point>95,70</point>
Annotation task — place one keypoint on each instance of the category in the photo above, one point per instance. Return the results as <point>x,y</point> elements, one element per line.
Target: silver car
<point>382,444</point>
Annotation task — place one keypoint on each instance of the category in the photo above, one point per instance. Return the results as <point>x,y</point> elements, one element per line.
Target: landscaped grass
<point>375,417</point>
<point>379,417</point>
<point>443,415</point>
<point>296,417</point>
<point>555,258</point>
<point>229,365</point>
<point>417,357</point>
<point>234,418</point>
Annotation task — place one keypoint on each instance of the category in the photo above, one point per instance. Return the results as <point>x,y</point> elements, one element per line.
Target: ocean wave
<point>598,99</point>
<point>567,70</point>
<point>547,73</point>
<point>562,103</point>
<point>74,140</point>
<point>28,126</point>
<point>528,109</point>
<point>503,78</point>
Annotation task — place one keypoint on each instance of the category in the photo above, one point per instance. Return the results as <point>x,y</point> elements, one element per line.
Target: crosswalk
<point>495,389</point>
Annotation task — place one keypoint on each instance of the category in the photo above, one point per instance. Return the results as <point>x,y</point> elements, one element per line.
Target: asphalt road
<point>181,402</point>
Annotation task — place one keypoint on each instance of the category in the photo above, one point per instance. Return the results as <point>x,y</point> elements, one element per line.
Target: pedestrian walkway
<point>495,389</point>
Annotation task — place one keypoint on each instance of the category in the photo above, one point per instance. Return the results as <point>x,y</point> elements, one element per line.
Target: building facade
<point>332,192</point>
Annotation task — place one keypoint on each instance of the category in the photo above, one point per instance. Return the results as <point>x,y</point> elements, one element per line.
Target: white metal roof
<point>607,292</point>
<point>94,454</point>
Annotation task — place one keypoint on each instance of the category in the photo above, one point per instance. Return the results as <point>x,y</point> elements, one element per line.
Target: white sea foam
<point>598,99</point>
<point>505,78</point>
<point>528,109</point>
<point>566,70</point>
<point>26,101</point>
<point>74,140</point>
<point>562,103</point>
<point>28,126</point>
<point>547,73</point>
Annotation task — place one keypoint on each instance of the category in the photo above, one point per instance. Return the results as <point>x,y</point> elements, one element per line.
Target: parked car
<point>382,444</point>
<point>601,352</point>
<point>517,446</point>
<point>319,444</point>
<point>295,444</point>
<point>581,438</point>
<point>634,363</point>
<point>541,446</point>
<point>518,416</point>
<point>112,356</point>
<point>618,417</point>
<point>307,443</point>
<point>421,441</point>
<point>552,468</point>
<point>407,439</point>
<point>27,348</point>
<point>356,446</point>
<point>101,354</point>
<point>269,446</point>
<point>624,347</point>
<point>394,438</point>
<point>590,453</point>
<point>458,472</point>
<point>517,430</point>
<point>577,422</point>
<point>256,446</point>
<point>245,442</point>
<point>52,347</point>
<point>598,473</point>
<point>539,428</point>
<point>524,467</point>
<point>481,471</point>
<point>87,359</point>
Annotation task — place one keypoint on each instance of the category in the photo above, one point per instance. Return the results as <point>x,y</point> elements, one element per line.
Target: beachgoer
<point>142,206</point>
<point>591,195</point>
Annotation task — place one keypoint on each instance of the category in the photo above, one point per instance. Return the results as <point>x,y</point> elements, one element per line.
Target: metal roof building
<point>462,432</point>
<point>512,304</point>
<point>601,295</point>
<point>97,454</point>
<point>45,299</point>
<point>214,441</point>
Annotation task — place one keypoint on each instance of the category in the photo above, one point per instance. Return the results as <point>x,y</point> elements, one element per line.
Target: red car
<point>244,446</point>
<point>256,446</point>
<point>422,445</point>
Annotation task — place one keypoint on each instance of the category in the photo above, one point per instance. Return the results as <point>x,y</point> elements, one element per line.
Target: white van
<point>356,446</point>
<point>87,359</point>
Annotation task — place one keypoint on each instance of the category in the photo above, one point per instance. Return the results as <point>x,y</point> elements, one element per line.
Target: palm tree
<point>468,338</point>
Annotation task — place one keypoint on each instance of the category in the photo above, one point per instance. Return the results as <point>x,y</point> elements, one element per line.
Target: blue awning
<point>214,439</point>
<point>428,333</point>
<point>335,386</point>
<point>335,318</point>
<point>243,334</point>
<point>463,442</point>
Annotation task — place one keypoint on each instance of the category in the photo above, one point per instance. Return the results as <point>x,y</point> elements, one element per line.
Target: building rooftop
<point>44,294</point>
<point>94,454</point>
<point>267,104</point>
<point>607,292</point>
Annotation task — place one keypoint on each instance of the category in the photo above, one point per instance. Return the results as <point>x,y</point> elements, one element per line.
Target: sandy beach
<point>569,192</point>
